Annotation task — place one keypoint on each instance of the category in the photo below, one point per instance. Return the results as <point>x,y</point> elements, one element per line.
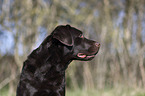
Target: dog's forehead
<point>75,31</point>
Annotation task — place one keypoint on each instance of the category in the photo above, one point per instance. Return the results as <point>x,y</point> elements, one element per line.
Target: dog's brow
<point>80,33</point>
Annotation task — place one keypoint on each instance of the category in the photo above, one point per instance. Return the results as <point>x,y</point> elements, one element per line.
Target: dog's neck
<point>50,63</point>
<point>56,54</point>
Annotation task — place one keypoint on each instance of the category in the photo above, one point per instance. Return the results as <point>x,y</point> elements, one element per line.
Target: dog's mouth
<point>84,56</point>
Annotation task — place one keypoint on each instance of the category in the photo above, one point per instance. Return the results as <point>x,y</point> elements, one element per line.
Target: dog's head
<point>80,47</point>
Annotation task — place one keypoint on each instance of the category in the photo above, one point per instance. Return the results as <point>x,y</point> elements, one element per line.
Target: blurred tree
<point>117,24</point>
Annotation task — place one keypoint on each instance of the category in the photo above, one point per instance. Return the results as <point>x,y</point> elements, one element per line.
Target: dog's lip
<point>90,56</point>
<point>82,55</point>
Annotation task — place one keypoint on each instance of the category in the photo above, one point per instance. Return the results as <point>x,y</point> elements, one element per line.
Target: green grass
<point>83,92</point>
<point>5,92</point>
<point>106,92</point>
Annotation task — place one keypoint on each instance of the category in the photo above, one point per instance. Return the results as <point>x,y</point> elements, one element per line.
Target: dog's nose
<point>97,44</point>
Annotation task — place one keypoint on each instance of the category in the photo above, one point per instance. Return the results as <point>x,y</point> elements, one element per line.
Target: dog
<point>43,73</point>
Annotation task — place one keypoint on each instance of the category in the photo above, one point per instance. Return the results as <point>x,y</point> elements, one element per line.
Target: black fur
<point>43,72</point>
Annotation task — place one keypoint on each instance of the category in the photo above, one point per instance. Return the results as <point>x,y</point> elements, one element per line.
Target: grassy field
<point>105,92</point>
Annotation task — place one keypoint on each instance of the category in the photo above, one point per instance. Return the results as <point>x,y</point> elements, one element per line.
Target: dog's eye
<point>81,36</point>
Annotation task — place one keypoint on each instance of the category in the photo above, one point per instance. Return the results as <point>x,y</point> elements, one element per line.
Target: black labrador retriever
<point>43,72</point>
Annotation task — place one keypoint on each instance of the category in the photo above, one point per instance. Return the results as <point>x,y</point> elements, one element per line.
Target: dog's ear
<point>63,34</point>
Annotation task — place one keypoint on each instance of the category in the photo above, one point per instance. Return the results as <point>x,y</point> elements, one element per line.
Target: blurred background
<point>119,25</point>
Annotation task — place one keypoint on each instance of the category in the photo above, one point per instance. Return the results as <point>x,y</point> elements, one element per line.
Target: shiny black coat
<point>43,72</point>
